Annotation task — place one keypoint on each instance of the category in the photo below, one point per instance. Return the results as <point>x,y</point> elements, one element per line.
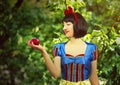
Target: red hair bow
<point>70,11</point>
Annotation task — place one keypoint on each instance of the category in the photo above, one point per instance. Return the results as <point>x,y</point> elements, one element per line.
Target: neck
<point>75,41</point>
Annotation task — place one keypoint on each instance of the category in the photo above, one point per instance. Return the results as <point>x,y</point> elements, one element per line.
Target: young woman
<point>75,59</point>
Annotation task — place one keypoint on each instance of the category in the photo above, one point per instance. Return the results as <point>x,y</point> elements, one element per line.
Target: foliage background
<point>22,20</point>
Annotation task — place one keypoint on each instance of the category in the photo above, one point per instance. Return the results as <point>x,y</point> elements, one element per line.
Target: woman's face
<point>68,29</point>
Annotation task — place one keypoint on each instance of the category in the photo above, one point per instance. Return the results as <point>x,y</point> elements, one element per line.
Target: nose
<point>64,27</point>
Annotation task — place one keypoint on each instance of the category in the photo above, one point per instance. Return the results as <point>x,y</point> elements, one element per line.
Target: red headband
<point>70,11</point>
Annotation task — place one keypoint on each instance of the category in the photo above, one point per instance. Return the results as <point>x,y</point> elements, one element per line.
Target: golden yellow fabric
<point>64,82</point>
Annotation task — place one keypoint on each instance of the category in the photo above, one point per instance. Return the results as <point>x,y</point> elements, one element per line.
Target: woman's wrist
<point>43,51</point>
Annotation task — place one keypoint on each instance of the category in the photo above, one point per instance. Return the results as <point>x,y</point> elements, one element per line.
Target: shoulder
<point>94,51</point>
<point>59,44</point>
<point>91,45</point>
<point>57,49</point>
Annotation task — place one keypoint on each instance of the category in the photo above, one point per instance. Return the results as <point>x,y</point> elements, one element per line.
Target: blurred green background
<point>22,20</point>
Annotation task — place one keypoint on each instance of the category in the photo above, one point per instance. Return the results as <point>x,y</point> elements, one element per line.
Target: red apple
<point>35,41</point>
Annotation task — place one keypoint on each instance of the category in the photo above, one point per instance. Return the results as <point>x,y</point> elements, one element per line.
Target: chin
<point>68,36</point>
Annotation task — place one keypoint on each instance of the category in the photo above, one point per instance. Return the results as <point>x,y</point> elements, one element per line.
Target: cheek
<point>72,31</point>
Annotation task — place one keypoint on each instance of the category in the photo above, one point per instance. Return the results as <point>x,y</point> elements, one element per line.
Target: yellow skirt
<point>64,82</point>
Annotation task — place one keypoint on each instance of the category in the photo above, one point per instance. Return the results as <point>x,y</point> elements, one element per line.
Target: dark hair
<point>80,27</point>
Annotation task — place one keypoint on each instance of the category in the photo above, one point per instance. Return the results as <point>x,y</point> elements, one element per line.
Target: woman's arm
<point>54,68</point>
<point>93,76</point>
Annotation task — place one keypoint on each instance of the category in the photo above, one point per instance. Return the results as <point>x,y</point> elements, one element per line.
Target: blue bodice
<point>77,68</point>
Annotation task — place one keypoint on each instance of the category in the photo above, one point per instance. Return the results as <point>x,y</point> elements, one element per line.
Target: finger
<point>30,43</point>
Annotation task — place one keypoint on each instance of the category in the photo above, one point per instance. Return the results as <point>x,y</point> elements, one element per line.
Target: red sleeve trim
<point>55,52</point>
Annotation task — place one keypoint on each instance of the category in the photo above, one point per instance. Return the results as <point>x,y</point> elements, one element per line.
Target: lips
<point>65,31</point>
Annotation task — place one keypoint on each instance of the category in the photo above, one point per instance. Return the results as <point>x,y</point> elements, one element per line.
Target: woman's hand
<point>54,68</point>
<point>37,47</point>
